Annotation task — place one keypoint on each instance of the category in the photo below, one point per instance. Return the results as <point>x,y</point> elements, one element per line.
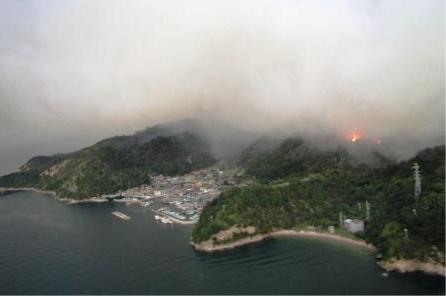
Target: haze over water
<point>48,247</point>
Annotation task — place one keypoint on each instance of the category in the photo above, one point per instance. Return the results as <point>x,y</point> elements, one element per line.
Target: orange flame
<point>355,137</point>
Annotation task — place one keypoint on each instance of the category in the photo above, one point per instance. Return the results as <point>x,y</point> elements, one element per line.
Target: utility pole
<point>367,211</point>
<point>417,177</point>
<point>341,219</point>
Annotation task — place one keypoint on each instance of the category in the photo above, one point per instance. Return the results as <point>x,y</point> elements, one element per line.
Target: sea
<point>48,247</point>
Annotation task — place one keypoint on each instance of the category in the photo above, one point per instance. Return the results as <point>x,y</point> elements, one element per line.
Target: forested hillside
<point>112,164</point>
<point>298,186</point>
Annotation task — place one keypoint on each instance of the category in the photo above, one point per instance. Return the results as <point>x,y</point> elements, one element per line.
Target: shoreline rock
<point>412,265</point>
<point>223,239</point>
<point>209,246</point>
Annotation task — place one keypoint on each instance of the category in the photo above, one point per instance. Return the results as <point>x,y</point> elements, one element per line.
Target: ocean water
<point>47,247</point>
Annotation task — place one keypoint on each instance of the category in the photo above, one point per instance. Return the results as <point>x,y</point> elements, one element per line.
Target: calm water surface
<point>47,247</point>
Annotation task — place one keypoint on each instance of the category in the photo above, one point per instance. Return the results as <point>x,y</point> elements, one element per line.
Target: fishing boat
<point>166,220</point>
<point>146,204</point>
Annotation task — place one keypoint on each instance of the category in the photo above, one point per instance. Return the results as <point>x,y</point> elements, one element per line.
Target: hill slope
<point>298,186</point>
<point>114,164</point>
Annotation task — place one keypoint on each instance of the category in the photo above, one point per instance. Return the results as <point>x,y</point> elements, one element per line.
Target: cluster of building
<point>180,198</point>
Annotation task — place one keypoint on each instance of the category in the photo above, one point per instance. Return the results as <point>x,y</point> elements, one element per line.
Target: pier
<point>121,215</point>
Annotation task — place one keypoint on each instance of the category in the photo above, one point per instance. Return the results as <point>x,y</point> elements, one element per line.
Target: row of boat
<point>146,204</point>
<point>164,220</point>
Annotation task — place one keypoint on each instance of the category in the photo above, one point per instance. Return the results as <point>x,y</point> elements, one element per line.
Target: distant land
<point>122,162</point>
<point>293,185</point>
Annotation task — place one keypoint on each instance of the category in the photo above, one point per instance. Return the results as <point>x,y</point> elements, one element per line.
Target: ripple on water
<point>49,247</point>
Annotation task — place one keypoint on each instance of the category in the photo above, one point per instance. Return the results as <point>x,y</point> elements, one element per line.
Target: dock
<point>121,215</point>
<point>171,218</point>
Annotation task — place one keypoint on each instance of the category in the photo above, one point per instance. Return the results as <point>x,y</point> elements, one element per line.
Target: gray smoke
<point>73,72</point>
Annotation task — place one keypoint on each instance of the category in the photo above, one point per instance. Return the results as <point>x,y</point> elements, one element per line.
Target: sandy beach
<point>302,233</point>
<point>209,246</point>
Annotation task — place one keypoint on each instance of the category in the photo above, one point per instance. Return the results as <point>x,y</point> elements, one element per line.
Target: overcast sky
<point>72,72</point>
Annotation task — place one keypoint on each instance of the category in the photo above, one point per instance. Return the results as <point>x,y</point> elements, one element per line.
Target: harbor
<point>169,217</point>
<point>180,199</point>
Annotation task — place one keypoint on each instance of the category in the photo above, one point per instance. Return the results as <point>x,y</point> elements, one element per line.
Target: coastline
<point>17,189</point>
<point>72,201</point>
<point>209,246</point>
<point>391,265</point>
<point>302,233</point>
<point>412,265</point>
<point>69,201</point>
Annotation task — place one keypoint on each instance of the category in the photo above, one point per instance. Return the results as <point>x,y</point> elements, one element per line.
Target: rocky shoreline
<point>209,246</point>
<point>411,265</point>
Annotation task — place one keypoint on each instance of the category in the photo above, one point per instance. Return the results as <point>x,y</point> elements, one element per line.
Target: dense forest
<point>112,164</point>
<point>296,186</point>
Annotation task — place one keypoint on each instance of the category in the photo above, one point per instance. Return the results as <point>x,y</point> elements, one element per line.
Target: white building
<point>354,225</point>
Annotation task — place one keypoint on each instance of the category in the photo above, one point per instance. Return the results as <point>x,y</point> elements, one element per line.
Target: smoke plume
<point>72,72</point>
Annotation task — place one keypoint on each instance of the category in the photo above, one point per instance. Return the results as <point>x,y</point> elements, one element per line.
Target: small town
<point>180,199</point>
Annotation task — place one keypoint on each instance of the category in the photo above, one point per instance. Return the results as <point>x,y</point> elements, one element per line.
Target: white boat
<point>166,220</point>
<point>146,204</point>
